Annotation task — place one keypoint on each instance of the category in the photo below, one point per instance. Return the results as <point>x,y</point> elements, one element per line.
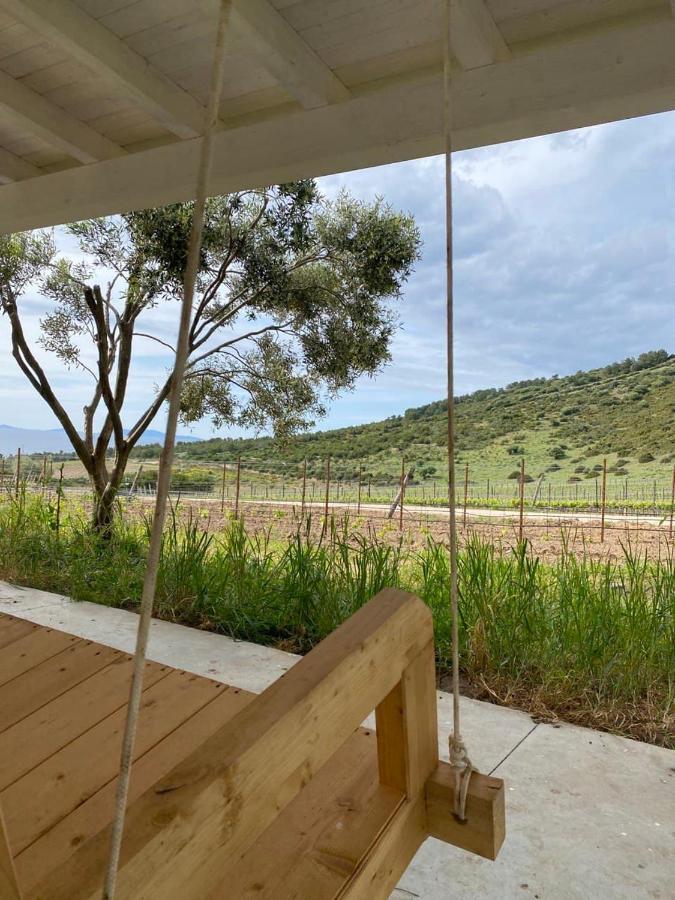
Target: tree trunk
<point>104,510</point>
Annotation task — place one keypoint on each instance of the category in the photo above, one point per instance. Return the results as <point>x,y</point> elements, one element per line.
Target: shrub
<point>646,457</point>
<point>573,479</point>
<point>557,453</point>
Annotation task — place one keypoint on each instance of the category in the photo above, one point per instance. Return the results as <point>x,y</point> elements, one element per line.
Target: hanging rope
<point>459,758</point>
<point>166,459</point>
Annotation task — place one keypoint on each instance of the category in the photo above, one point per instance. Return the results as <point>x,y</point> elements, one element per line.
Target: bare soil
<point>546,538</point>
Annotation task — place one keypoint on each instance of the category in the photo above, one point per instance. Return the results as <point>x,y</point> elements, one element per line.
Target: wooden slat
<point>315,846</point>
<point>9,886</point>
<point>485,827</point>
<point>28,692</point>
<point>30,651</point>
<point>45,869</point>
<point>67,717</point>
<point>12,629</point>
<point>387,858</point>
<point>34,803</point>
<point>222,797</point>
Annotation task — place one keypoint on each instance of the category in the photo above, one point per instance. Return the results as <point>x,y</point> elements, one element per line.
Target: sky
<point>564,260</point>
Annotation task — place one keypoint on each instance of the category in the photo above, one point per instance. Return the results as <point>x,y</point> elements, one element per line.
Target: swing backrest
<point>185,832</point>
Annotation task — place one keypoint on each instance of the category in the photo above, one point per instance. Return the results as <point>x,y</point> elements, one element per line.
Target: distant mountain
<point>54,440</point>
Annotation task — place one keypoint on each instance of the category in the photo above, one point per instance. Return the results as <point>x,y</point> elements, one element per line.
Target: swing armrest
<point>484,830</point>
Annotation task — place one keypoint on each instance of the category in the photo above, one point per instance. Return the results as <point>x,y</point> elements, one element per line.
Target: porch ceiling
<point>101,101</point>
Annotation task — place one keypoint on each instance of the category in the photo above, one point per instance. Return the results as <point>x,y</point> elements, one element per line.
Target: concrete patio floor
<point>589,815</point>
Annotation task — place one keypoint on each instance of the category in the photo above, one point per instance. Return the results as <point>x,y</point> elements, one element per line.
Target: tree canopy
<point>294,303</point>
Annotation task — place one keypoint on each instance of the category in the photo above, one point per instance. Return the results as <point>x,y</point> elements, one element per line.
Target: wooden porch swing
<point>284,795</point>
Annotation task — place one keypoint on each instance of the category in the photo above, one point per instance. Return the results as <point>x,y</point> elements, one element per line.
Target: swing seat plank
<point>282,795</point>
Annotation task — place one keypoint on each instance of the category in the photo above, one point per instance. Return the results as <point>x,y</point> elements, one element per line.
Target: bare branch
<point>151,337</point>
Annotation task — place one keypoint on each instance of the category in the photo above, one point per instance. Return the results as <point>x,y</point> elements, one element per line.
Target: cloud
<point>564,259</point>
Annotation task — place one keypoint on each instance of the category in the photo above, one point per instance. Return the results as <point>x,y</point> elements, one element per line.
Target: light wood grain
<point>9,885</point>
<point>484,830</point>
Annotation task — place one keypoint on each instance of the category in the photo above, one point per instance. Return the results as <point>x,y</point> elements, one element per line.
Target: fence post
<point>358,496</point>
<point>672,505</point>
<point>325,505</point>
<point>603,498</point>
<point>522,499</point>
<point>59,492</point>
<point>18,472</point>
<point>236,493</point>
<point>222,488</point>
<point>304,487</point>
<point>2,475</point>
<point>466,493</point>
<point>400,506</point>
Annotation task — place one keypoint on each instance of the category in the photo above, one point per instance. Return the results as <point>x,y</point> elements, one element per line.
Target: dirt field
<point>547,538</point>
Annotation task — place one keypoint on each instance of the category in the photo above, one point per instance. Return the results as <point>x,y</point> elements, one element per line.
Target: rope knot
<point>462,768</point>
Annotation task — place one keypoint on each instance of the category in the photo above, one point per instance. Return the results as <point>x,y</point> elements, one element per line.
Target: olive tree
<point>294,301</point>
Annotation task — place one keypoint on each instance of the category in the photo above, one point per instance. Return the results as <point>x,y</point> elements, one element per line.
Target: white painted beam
<point>286,55</point>
<point>13,168</point>
<point>475,39</point>
<point>44,119</point>
<point>64,24</point>
<point>601,77</point>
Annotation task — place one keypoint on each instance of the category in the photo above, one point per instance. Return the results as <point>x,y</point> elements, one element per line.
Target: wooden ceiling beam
<point>596,77</point>
<point>63,24</point>
<point>14,168</point>
<point>286,56</point>
<point>47,121</point>
<point>475,39</point>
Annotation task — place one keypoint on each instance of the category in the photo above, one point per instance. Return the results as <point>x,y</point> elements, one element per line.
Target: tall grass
<point>587,640</point>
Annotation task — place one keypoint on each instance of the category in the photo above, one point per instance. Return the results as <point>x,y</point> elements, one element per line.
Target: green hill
<point>563,426</point>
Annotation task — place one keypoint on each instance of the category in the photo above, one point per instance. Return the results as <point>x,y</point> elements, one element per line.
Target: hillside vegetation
<point>563,426</point>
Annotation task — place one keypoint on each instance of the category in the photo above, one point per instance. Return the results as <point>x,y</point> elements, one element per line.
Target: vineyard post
<point>44,473</point>
<point>522,499</point>
<point>603,498</point>
<point>236,493</point>
<point>222,488</point>
<point>59,493</point>
<point>2,475</point>
<point>672,505</point>
<point>400,506</point>
<point>325,506</point>
<point>304,487</point>
<point>358,495</point>
<point>488,490</point>
<point>466,493</point>
<point>18,472</point>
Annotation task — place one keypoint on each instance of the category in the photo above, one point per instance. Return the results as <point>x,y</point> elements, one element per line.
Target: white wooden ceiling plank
<point>64,24</point>
<point>519,23</point>
<point>475,39</point>
<point>286,55</point>
<point>14,168</point>
<point>150,14</point>
<point>20,64</point>
<point>17,38</point>
<point>595,78</point>
<point>98,8</point>
<point>58,75</point>
<point>46,120</point>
